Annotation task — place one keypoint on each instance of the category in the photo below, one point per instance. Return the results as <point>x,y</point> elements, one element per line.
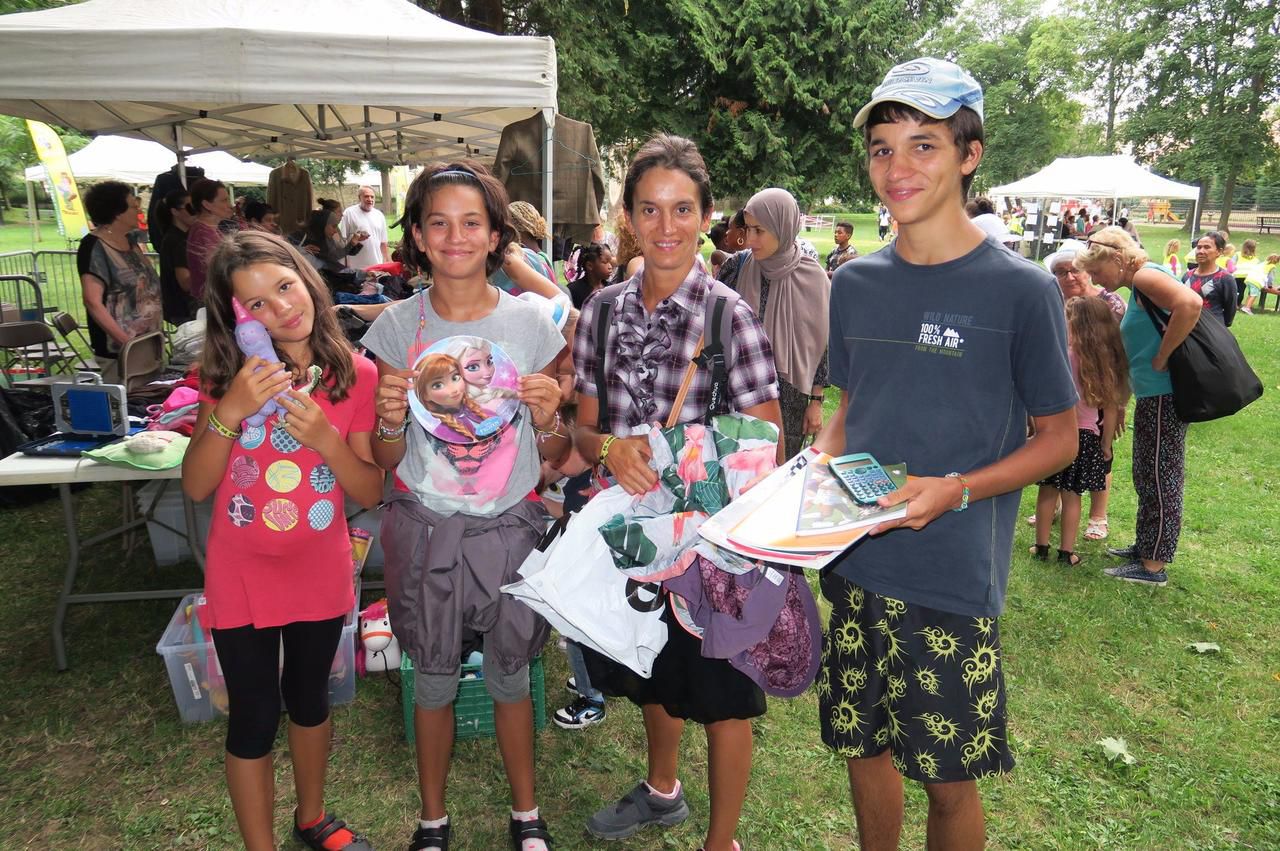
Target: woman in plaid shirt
<point>656,323</point>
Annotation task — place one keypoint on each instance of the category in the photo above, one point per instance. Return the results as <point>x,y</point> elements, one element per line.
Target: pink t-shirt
<point>1087,418</point>
<point>278,548</point>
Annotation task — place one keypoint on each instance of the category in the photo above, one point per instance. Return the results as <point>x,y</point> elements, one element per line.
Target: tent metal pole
<point>31,211</point>
<point>548,167</point>
<point>182,155</point>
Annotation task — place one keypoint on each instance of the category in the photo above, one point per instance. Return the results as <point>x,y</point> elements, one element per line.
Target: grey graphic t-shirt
<point>487,476</point>
<point>942,365</point>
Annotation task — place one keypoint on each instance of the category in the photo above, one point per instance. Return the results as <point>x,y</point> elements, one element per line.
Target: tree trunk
<point>487,15</point>
<point>1111,106</point>
<point>1228,190</point>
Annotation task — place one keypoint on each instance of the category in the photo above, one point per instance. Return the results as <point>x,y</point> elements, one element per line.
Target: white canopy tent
<point>138,162</point>
<point>378,80</point>
<point>1113,177</point>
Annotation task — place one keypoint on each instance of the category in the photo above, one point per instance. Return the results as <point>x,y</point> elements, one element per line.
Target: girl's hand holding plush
<point>250,390</point>
<point>307,423</point>
<point>542,394</point>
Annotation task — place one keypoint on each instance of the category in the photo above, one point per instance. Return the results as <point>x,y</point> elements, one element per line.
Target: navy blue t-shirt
<point>942,365</point>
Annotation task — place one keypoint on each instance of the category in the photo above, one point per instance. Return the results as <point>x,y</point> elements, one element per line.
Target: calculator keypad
<point>867,483</point>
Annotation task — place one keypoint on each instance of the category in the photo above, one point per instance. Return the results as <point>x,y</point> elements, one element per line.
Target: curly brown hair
<point>222,358</point>
<point>1102,365</point>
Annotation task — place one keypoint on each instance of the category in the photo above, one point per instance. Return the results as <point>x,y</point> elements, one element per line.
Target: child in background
<point>1250,265</point>
<point>1100,369</point>
<point>460,522</point>
<point>1227,259</point>
<point>593,271</point>
<point>279,556</point>
<point>1171,249</point>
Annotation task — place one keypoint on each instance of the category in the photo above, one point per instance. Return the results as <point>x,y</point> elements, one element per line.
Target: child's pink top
<point>278,548</point>
<point>1087,418</point>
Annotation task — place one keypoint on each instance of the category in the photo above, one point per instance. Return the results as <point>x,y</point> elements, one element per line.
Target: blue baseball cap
<point>936,87</point>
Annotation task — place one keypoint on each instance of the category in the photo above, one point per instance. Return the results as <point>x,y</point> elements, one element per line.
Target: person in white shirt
<point>363,218</point>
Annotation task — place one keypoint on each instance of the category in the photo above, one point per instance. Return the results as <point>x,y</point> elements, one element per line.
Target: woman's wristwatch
<point>817,397</point>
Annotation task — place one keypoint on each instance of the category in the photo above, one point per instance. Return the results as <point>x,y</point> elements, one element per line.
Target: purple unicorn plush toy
<point>253,339</point>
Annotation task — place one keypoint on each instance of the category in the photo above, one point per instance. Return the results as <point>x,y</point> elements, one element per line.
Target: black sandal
<point>1040,552</point>
<point>431,837</point>
<point>532,829</point>
<point>1069,558</point>
<point>314,837</point>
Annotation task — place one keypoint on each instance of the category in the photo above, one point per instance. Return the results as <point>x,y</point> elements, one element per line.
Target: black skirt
<point>687,684</point>
<point>1088,472</point>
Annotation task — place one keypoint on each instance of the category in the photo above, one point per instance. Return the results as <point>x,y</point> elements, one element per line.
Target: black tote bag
<point>1211,378</point>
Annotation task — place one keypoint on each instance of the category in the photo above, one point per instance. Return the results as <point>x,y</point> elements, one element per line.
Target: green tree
<point>1214,73</point>
<point>1113,37</point>
<point>767,88</point>
<point>18,152</point>
<point>1027,66</point>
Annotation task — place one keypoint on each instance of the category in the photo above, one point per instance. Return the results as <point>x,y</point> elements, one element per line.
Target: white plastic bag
<point>576,587</point>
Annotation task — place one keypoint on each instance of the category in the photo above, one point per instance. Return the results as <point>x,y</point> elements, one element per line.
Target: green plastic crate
<point>473,707</point>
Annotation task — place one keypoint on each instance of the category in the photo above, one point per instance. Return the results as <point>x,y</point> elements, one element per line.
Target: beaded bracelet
<point>217,427</point>
<point>964,492</point>
<point>546,433</point>
<point>390,435</point>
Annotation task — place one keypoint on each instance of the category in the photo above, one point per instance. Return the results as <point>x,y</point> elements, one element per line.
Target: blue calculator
<point>862,476</point>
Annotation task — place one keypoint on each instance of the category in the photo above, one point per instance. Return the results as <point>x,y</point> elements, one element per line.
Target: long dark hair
<point>417,204</point>
<point>222,358</point>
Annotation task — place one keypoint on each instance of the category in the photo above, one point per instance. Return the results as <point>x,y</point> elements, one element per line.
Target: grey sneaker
<point>1135,572</point>
<point>638,808</point>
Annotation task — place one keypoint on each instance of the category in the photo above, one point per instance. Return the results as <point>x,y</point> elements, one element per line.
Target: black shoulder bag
<point>1211,378</point>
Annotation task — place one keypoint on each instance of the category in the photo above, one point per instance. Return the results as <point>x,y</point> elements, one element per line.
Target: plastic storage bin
<point>473,707</point>
<point>167,546</point>
<point>196,677</point>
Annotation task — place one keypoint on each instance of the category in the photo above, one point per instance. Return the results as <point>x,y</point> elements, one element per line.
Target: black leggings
<point>250,660</point>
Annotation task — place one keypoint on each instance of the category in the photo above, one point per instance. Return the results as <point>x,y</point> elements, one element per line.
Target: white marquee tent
<point>1113,177</point>
<point>136,161</point>
<point>377,80</point>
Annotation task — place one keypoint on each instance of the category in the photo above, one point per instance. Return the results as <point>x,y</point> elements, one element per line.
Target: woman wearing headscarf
<point>790,291</point>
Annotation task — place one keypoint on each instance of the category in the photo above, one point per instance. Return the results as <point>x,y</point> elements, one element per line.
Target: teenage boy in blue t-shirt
<point>942,344</point>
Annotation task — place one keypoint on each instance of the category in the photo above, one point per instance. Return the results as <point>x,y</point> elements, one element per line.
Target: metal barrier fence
<point>55,272</point>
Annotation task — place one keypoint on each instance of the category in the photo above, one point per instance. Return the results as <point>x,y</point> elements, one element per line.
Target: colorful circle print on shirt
<point>240,510</point>
<point>283,476</point>
<point>283,441</point>
<point>280,515</point>
<point>322,479</point>
<point>253,436</point>
<point>321,515</point>
<point>244,472</point>
<point>478,409</point>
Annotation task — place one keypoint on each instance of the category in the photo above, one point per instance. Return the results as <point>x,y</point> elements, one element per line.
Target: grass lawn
<point>97,758</point>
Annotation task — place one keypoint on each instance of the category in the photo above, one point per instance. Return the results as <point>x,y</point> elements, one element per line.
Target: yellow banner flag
<point>62,183</point>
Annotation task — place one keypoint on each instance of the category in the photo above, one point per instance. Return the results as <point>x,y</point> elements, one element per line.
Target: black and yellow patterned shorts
<point>924,684</point>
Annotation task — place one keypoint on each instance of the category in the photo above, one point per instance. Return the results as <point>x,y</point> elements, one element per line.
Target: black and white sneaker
<point>580,714</point>
<point>1128,553</point>
<point>571,686</point>
<point>1135,572</point>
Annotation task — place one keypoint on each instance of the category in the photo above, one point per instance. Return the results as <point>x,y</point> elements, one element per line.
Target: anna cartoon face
<point>442,392</point>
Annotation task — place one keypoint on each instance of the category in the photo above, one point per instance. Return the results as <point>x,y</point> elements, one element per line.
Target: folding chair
<point>140,359</point>
<point>23,342</point>
<point>66,325</point>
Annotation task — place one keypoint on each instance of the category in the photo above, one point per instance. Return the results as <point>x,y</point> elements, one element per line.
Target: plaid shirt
<point>648,353</point>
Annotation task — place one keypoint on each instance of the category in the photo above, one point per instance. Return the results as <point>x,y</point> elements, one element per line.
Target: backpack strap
<point>604,316</point>
<point>717,335</point>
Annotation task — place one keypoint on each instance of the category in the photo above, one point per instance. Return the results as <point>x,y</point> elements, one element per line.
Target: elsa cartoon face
<point>477,367</point>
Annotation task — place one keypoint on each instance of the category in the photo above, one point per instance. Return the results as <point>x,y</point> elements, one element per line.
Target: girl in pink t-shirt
<point>1100,368</point>
<point>279,557</point>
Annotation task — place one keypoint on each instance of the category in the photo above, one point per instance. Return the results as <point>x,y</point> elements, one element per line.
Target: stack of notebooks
<point>800,514</point>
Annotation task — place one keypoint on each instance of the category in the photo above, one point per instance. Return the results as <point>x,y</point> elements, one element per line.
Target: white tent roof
<point>374,80</point>
<point>1096,177</point>
<point>138,162</point>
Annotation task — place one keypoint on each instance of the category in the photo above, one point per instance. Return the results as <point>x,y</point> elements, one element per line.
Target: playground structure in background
<point>1161,212</point>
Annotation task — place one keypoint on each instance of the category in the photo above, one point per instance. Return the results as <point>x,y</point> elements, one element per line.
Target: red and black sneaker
<point>329,834</point>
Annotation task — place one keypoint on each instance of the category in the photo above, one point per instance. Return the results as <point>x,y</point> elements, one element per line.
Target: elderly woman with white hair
<point>1114,260</point>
